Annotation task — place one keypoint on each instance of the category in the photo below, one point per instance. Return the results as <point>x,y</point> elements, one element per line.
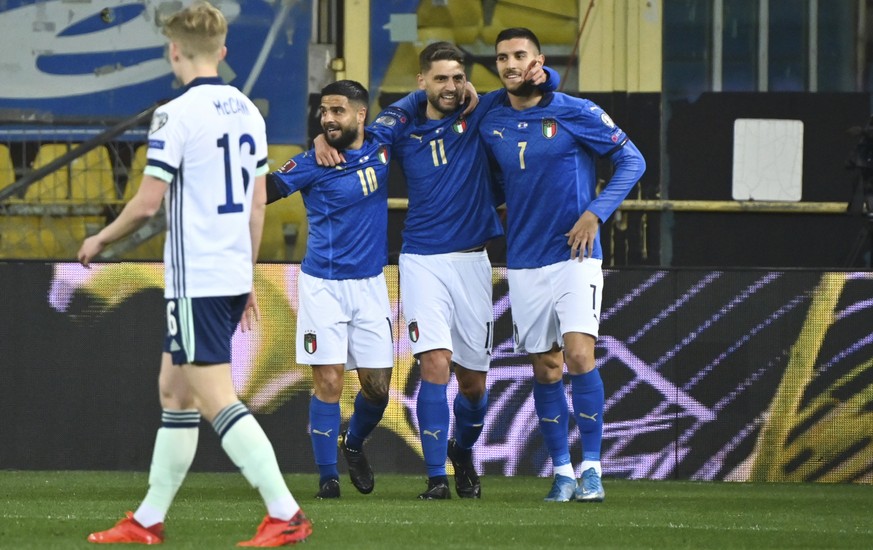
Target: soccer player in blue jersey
<point>207,160</point>
<point>344,318</point>
<point>445,273</point>
<point>546,146</point>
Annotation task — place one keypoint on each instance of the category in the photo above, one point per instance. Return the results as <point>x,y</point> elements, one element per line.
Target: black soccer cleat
<point>437,489</point>
<point>359,468</point>
<point>466,479</point>
<point>329,489</point>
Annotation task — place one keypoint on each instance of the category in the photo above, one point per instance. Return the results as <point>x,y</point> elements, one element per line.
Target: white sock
<point>248,447</point>
<point>175,447</point>
<point>592,464</point>
<point>565,470</point>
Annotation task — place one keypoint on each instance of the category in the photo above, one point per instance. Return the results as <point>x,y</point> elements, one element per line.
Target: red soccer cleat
<point>128,530</point>
<point>278,532</point>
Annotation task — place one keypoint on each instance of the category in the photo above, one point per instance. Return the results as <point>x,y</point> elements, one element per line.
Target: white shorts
<point>446,301</point>
<point>344,322</point>
<point>550,301</point>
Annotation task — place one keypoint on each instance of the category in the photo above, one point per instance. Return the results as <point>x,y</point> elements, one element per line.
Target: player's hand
<point>471,98</point>
<point>325,155</point>
<point>251,314</point>
<point>535,73</point>
<point>89,250</point>
<point>581,237</point>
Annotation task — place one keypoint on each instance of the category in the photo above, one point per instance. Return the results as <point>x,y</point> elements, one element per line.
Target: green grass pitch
<point>48,510</point>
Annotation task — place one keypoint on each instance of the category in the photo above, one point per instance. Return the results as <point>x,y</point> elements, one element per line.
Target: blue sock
<point>324,425</point>
<point>433,426</point>
<point>587,392</point>
<point>469,420</point>
<point>364,419</point>
<point>551,406</point>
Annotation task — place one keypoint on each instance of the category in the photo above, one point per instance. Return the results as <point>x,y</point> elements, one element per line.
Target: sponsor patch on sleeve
<point>391,117</point>
<point>156,144</point>
<point>288,166</point>
<point>386,120</point>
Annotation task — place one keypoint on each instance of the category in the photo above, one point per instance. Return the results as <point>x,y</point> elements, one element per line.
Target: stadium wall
<point>710,375</point>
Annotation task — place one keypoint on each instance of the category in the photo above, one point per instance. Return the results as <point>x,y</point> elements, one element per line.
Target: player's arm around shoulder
<point>392,121</point>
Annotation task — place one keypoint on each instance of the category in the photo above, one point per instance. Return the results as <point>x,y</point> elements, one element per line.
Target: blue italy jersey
<point>451,204</point>
<point>347,211</point>
<point>546,156</point>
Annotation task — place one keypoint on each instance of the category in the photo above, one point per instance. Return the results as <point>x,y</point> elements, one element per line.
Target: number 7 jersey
<point>209,144</point>
<point>547,157</point>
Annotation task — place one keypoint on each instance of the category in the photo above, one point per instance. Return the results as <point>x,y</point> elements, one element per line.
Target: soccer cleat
<point>329,489</point>
<point>437,489</point>
<point>129,530</point>
<point>279,532</point>
<point>359,468</point>
<point>466,479</point>
<point>563,489</point>
<point>590,488</point>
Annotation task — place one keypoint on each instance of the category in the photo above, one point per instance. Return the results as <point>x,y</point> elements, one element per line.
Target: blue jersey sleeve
<point>551,84</point>
<point>394,119</point>
<point>629,167</point>
<point>297,173</point>
<point>594,129</point>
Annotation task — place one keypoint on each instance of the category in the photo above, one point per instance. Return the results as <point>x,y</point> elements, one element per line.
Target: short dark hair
<point>439,51</point>
<point>518,32</point>
<point>351,89</point>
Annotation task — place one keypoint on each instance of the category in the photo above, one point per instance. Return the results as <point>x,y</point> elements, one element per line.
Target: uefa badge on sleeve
<point>413,330</point>
<point>159,119</point>
<point>310,342</point>
<point>550,127</point>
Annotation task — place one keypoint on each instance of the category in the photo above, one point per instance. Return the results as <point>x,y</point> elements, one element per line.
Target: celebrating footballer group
<point>462,156</point>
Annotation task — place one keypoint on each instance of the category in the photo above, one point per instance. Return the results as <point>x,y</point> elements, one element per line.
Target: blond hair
<point>198,30</point>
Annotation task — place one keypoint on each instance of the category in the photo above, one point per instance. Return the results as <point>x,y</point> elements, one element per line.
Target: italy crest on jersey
<point>460,126</point>
<point>383,155</point>
<point>413,330</point>
<point>550,127</point>
<point>310,342</point>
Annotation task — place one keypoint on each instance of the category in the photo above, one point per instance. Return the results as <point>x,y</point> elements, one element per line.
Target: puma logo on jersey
<point>592,417</point>
<point>325,434</point>
<point>416,136</point>
<point>476,425</point>
<point>552,420</point>
<point>435,435</point>
<point>498,132</point>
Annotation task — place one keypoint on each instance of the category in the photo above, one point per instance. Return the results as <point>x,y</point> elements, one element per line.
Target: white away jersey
<point>208,144</point>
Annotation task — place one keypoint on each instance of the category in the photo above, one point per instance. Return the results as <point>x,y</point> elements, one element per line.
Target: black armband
<point>273,193</point>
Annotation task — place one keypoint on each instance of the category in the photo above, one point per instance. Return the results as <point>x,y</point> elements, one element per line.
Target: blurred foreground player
<point>207,159</point>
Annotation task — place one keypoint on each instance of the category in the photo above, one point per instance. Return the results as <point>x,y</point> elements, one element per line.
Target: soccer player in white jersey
<point>546,146</point>
<point>344,318</point>
<point>207,159</point>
